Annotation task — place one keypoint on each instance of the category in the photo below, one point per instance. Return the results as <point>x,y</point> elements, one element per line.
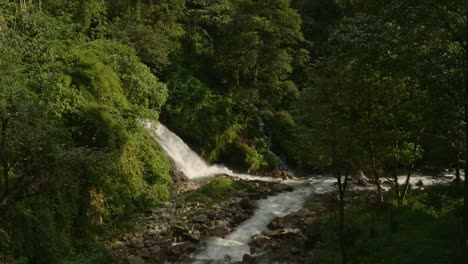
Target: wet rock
<point>221,229</point>
<point>219,232</point>
<point>276,223</point>
<point>260,242</point>
<point>247,204</point>
<point>420,183</point>
<point>281,188</point>
<point>239,218</point>
<point>248,259</point>
<point>388,184</point>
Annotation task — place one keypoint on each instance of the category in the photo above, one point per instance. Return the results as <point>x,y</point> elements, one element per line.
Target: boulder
<point>135,260</point>
<point>219,231</point>
<point>420,183</point>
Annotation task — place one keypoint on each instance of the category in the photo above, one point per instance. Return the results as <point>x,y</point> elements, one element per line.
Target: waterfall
<point>185,159</point>
<point>188,161</point>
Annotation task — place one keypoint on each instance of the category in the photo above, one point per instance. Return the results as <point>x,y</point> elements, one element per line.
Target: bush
<point>417,233</point>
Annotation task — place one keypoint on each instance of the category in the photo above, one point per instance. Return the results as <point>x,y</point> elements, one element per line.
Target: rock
<point>247,204</point>
<point>242,194</point>
<point>420,183</point>
<point>135,260</point>
<point>239,218</point>
<point>155,249</point>
<point>260,241</point>
<point>200,218</point>
<point>219,231</point>
<point>145,252</point>
<point>286,232</point>
<point>195,236</point>
<point>248,259</point>
<point>295,251</point>
<point>282,188</point>
<point>362,180</point>
<point>276,223</point>
<point>177,250</point>
<point>304,212</point>
<point>220,224</point>
<point>309,220</point>
<point>388,184</point>
<point>177,175</point>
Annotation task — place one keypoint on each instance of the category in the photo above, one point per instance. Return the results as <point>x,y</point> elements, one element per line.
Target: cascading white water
<point>235,245</point>
<point>187,161</point>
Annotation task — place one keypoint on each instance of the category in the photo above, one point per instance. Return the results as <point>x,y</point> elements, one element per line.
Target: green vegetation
<point>221,188</point>
<point>426,230</point>
<point>333,86</point>
<point>74,157</point>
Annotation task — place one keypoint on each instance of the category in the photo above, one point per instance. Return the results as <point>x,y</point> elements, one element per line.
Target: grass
<point>219,189</point>
<point>426,230</point>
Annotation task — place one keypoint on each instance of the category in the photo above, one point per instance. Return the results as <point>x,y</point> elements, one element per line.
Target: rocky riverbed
<point>174,231</point>
<point>180,229</point>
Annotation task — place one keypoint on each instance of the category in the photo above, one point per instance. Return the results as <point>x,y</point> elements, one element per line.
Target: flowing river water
<point>233,247</point>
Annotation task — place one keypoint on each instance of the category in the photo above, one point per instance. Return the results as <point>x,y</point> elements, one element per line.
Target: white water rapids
<point>233,247</point>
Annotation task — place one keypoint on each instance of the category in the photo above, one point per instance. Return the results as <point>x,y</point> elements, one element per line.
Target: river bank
<point>174,231</point>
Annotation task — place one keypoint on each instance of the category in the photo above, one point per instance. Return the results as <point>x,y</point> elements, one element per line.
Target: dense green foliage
<point>335,86</point>
<point>73,153</point>
<point>427,230</point>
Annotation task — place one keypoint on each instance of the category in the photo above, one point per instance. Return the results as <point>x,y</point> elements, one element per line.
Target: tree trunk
<point>465,204</point>
<point>410,169</point>
<point>395,173</point>
<point>457,169</point>
<point>407,184</point>
<point>4,158</point>
<point>341,231</point>
<point>370,131</point>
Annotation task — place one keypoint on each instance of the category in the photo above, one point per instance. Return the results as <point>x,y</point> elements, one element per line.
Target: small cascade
<point>281,164</point>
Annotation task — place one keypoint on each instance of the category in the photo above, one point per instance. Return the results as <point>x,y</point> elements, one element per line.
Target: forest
<point>371,94</point>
